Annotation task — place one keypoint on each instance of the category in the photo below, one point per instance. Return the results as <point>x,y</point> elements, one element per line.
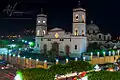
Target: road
<point>7,74</point>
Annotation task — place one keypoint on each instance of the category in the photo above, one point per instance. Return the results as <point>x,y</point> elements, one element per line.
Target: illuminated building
<point>64,43</point>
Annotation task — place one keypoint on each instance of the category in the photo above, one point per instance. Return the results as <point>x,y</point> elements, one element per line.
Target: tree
<point>49,74</point>
<point>93,46</point>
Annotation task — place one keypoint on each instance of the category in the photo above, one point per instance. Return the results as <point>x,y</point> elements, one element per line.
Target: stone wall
<point>106,59</point>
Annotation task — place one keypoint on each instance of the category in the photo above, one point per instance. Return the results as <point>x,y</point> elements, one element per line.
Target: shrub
<point>49,74</point>
<point>104,75</point>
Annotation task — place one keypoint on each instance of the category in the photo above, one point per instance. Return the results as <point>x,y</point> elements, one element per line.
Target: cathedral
<point>65,43</point>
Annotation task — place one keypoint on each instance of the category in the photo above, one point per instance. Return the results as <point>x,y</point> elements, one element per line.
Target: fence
<point>25,62</point>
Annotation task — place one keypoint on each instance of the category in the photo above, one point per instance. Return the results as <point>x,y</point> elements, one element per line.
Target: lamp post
<point>118,52</point>
<point>37,62</point>
<point>9,57</point>
<point>18,59</point>
<point>30,62</point>
<point>113,53</point>
<point>98,54</point>
<point>66,60</point>
<point>57,61</point>
<point>104,54</point>
<point>76,59</point>
<point>24,61</point>
<point>109,53</point>
<point>13,58</point>
<point>91,55</point>
<point>45,64</point>
<point>84,58</point>
<point>2,55</point>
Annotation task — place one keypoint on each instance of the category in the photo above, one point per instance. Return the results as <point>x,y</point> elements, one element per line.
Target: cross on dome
<point>79,2</point>
<point>41,10</point>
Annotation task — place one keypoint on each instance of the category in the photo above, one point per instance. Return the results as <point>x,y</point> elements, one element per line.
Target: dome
<point>92,27</point>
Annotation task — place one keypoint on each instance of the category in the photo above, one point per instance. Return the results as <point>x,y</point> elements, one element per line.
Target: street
<point>7,74</point>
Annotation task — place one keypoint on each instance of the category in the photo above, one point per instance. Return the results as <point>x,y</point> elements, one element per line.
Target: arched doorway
<point>55,48</point>
<point>67,50</point>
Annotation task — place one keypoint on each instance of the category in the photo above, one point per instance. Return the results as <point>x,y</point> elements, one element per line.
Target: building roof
<point>92,26</point>
<point>56,29</point>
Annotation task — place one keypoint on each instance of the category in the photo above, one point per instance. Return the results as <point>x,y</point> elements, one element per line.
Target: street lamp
<point>98,53</point>
<point>113,53</point>
<point>91,55</point>
<point>66,60</point>
<point>57,61</point>
<point>18,56</point>
<point>104,54</point>
<point>30,62</point>
<point>84,58</point>
<point>76,59</point>
<point>109,53</point>
<point>118,52</point>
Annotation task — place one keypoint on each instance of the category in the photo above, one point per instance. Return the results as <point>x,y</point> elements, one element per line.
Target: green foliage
<point>104,75</point>
<point>49,74</point>
<point>36,74</point>
<point>93,46</point>
<point>72,66</point>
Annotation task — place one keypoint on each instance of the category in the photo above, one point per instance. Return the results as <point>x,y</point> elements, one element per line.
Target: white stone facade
<point>66,43</point>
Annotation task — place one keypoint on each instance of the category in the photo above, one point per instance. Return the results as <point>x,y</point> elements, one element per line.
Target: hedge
<point>104,75</point>
<point>49,74</point>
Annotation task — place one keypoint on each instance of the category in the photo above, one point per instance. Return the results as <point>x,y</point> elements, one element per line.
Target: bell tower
<point>41,28</point>
<point>79,21</point>
<point>41,25</point>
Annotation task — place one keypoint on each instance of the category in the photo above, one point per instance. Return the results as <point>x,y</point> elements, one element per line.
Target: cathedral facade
<point>65,43</point>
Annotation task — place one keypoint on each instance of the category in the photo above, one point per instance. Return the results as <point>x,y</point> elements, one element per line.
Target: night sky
<point>104,13</point>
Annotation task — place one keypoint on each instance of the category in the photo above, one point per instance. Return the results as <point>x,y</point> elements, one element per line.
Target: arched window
<point>82,32</point>
<point>76,17</point>
<point>99,36</point>
<point>75,47</point>
<point>44,32</point>
<point>83,19</point>
<point>76,31</point>
<point>38,32</point>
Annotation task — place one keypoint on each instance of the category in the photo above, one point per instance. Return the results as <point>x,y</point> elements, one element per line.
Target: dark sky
<point>104,13</point>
